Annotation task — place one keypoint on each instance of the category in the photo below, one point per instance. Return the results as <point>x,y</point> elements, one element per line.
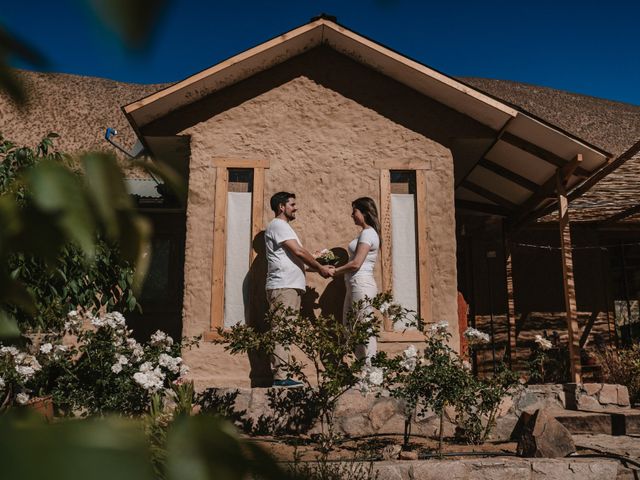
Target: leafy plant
<point>58,287</point>
<point>622,366</point>
<point>112,372</point>
<point>325,342</point>
<point>548,362</point>
<point>437,379</point>
<point>28,371</point>
<point>324,469</point>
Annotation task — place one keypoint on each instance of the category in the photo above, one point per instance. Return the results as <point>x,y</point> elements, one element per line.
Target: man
<point>286,283</point>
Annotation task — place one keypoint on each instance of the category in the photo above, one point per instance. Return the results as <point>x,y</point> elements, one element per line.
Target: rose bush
<point>103,369</point>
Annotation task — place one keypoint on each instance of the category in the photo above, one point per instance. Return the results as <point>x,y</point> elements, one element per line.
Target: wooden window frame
<point>218,261</point>
<point>420,168</point>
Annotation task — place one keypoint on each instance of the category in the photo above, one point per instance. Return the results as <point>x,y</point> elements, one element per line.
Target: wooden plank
<point>409,164</point>
<point>257,207</point>
<point>399,337</point>
<point>219,249</point>
<point>424,257</point>
<point>511,305</point>
<point>540,152</point>
<point>509,175</point>
<point>489,195</point>
<point>241,162</point>
<point>568,280</point>
<point>385,225</point>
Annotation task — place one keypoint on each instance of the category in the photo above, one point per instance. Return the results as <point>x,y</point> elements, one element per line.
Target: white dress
<point>361,284</point>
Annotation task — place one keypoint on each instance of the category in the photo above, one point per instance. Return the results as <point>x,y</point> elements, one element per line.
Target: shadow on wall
<point>329,304</point>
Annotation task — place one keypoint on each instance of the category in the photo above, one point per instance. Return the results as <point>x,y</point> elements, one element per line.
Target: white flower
<point>466,365</point>
<point>13,351</point>
<point>72,314</point>
<point>25,371</point>
<point>59,350</point>
<point>410,358</point>
<point>151,380</point>
<point>439,328</point>
<point>184,369</point>
<point>161,338</point>
<point>376,376</point>
<point>2,384</point>
<point>122,360</point>
<point>170,363</point>
<point>46,348</point>
<point>116,367</point>
<point>97,321</point>
<point>410,351</point>
<point>115,319</point>
<point>543,343</point>
<point>476,337</point>
<point>138,352</point>
<point>22,398</point>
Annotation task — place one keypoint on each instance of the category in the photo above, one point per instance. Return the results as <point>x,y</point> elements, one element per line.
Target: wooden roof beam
<point>489,195</point>
<point>540,152</point>
<point>616,217</point>
<point>570,168</point>
<point>509,175</point>
<point>529,211</point>
<point>484,208</point>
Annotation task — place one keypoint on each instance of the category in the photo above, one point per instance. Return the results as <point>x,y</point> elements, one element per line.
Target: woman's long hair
<point>369,210</point>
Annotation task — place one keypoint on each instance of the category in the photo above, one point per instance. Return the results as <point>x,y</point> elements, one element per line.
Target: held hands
<point>327,271</point>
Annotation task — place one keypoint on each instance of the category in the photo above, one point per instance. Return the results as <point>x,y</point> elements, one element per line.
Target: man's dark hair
<point>280,198</point>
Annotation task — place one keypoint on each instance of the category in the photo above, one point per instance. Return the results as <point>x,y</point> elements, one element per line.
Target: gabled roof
<point>514,171</point>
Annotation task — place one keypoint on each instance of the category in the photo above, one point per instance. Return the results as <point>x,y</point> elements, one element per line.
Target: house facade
<point>468,176</point>
<point>331,116</point>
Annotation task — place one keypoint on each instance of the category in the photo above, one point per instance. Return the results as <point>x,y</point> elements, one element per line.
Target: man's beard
<point>291,216</point>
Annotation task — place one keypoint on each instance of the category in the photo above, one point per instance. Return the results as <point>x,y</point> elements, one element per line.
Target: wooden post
<point>219,253</point>
<point>567,276</point>
<point>511,305</point>
<point>385,220</point>
<point>424,259</point>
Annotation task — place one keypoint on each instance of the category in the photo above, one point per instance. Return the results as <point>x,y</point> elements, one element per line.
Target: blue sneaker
<point>287,382</point>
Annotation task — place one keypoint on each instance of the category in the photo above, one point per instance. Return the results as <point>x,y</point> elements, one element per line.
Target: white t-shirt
<point>283,269</point>
<point>370,237</point>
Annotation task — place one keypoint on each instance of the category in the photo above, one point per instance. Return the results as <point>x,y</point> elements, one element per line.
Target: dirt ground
<point>371,448</point>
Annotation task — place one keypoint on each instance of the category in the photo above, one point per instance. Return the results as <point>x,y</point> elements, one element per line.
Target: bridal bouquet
<point>326,257</point>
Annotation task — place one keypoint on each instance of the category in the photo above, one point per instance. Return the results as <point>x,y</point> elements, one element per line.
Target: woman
<point>358,271</point>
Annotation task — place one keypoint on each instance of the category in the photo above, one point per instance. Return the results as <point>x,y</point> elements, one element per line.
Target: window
<point>406,265</point>
<point>238,211</point>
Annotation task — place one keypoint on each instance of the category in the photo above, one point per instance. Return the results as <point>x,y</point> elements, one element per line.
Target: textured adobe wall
<point>323,121</point>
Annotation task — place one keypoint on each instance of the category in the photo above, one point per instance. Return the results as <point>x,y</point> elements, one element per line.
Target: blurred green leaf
<point>171,178</point>
<point>8,326</point>
<point>14,293</point>
<point>135,246</point>
<point>204,447</point>
<point>99,449</point>
<point>132,20</point>
<point>12,46</point>
<point>107,190</point>
<point>56,190</point>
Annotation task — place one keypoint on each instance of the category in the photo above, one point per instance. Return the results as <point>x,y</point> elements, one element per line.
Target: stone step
<point>617,422</point>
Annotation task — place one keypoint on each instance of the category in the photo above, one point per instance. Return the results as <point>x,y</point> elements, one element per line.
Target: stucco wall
<point>323,121</point>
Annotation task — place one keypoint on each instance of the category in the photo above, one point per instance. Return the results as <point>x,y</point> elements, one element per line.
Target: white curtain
<point>403,251</point>
<point>236,284</point>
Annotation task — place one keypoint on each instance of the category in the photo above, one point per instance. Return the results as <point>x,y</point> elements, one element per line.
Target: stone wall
<point>360,415</point>
<point>323,121</point>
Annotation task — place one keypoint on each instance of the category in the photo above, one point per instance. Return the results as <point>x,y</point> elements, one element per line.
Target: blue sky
<point>590,47</point>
